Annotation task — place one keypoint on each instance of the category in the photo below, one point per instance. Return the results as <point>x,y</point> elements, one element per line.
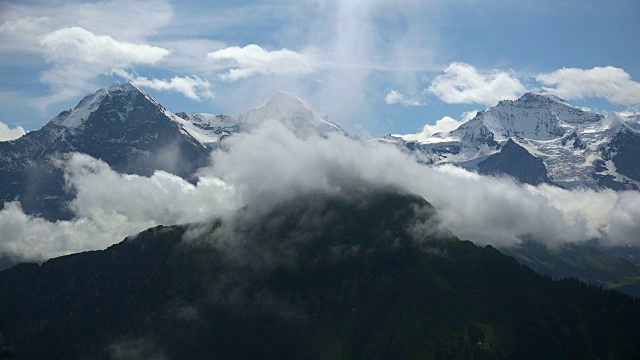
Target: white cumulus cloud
<point>108,207</point>
<point>396,97</point>
<point>75,44</point>
<point>7,133</point>
<point>463,84</point>
<point>22,24</point>
<point>610,83</point>
<point>79,56</point>
<point>251,60</point>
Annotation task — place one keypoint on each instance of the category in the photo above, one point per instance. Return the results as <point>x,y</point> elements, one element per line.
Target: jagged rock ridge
<point>123,126</point>
<point>578,148</point>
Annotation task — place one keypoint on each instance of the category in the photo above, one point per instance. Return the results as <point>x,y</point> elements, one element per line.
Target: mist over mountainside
<point>287,232</point>
<point>294,150</point>
<point>577,148</point>
<point>119,124</point>
<point>354,274</point>
<point>124,127</point>
<point>586,262</point>
<point>319,179</point>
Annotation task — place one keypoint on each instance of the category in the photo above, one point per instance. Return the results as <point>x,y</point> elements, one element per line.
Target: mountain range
<point>354,282</point>
<point>540,138</point>
<point>134,134</point>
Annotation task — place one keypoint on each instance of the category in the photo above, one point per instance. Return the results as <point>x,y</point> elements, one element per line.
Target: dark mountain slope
<point>119,124</point>
<point>624,151</point>
<point>515,161</point>
<point>316,277</point>
<point>581,261</point>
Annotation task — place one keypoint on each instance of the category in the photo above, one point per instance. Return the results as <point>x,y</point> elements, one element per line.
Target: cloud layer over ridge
<point>271,165</point>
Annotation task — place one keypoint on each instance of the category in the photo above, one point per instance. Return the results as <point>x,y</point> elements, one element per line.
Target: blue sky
<point>376,67</point>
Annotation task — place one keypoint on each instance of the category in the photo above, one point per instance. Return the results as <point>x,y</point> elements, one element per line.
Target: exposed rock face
<point>515,161</point>
<point>578,148</point>
<point>134,134</point>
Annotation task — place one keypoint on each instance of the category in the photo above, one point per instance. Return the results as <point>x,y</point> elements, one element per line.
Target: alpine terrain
<point>319,276</point>
<point>541,138</point>
<point>134,134</point>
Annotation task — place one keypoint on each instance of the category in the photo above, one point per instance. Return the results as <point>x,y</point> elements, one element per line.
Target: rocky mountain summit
<point>578,148</point>
<point>123,126</point>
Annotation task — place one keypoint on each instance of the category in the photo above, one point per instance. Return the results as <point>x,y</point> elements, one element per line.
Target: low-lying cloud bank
<point>108,207</point>
<point>270,166</point>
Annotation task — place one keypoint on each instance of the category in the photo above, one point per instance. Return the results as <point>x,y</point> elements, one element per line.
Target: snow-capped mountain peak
<point>89,104</point>
<point>554,106</point>
<point>285,102</point>
<point>534,98</point>
<point>293,112</point>
<point>286,108</point>
<point>535,116</point>
<point>578,148</point>
<point>119,124</point>
<point>615,122</point>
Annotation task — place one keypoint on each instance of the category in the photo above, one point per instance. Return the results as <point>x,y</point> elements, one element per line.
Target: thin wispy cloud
<point>191,87</point>
<point>124,20</point>
<point>396,97</point>
<point>20,34</point>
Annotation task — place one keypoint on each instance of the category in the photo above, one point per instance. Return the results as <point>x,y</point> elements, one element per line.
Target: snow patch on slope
<point>206,128</point>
